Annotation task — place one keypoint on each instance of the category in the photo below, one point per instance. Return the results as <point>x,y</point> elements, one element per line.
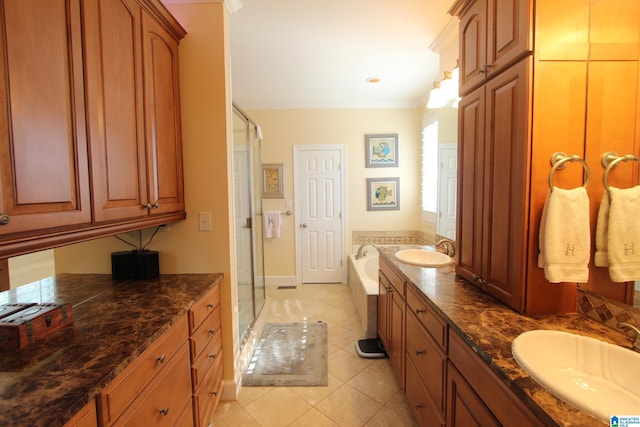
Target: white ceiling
<point>319,53</point>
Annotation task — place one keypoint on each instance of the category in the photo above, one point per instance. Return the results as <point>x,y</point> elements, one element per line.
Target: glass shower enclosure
<point>248,222</point>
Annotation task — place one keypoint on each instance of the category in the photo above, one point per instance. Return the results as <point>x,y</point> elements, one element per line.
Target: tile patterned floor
<point>361,392</point>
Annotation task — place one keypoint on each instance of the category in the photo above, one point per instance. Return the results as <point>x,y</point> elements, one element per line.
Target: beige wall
<point>282,129</point>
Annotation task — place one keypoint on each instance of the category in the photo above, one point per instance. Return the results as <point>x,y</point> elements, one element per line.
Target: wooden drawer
<point>206,398</point>
<point>428,317</point>
<point>205,333</point>
<point>200,368</point>
<point>161,404</point>
<point>186,417</point>
<point>87,417</point>
<point>394,277</point>
<point>203,308</point>
<point>501,401</point>
<point>418,398</point>
<point>429,360</point>
<point>126,386</point>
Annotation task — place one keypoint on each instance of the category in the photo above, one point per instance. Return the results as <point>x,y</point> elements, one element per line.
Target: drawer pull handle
<point>419,406</point>
<point>420,352</point>
<point>214,393</point>
<point>164,411</point>
<point>212,356</point>
<point>420,310</point>
<point>210,305</point>
<point>161,359</point>
<point>212,331</point>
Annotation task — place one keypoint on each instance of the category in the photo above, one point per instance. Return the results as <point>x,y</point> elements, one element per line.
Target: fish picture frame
<point>383,194</point>
<point>381,150</point>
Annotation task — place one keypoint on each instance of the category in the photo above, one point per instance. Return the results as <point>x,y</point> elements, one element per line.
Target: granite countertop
<point>50,380</point>
<point>490,326</point>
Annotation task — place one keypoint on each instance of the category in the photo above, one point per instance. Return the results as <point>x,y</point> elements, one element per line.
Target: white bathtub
<point>363,281</point>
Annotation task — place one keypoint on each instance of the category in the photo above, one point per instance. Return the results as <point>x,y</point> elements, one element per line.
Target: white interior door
<point>447,183</point>
<point>320,233</point>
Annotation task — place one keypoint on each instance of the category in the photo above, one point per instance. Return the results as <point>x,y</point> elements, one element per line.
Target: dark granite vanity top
<point>50,380</point>
<point>489,327</point>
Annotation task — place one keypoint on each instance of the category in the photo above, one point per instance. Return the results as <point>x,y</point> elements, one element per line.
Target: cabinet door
<point>396,335</point>
<point>44,176</point>
<point>162,118</point>
<point>508,32</point>
<point>506,195</point>
<point>384,289</point>
<point>470,184</point>
<point>473,46</point>
<point>464,407</point>
<point>115,111</point>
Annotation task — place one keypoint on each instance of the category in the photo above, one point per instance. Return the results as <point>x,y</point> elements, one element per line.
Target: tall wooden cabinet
<point>90,139</point>
<point>512,119</point>
<point>44,175</point>
<point>391,316</point>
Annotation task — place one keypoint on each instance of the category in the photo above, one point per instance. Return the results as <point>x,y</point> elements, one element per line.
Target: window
<point>430,169</point>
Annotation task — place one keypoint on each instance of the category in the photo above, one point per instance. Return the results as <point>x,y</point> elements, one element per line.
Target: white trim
<point>297,148</point>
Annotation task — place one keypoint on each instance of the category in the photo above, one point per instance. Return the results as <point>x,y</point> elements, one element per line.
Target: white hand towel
<point>564,238</point>
<point>623,241</point>
<point>271,224</point>
<point>601,257</point>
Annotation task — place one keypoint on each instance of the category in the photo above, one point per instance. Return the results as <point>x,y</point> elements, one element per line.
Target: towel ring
<point>609,161</point>
<point>559,160</point>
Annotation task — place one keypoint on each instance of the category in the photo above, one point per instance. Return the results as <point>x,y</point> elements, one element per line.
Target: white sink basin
<point>423,258</point>
<point>598,378</point>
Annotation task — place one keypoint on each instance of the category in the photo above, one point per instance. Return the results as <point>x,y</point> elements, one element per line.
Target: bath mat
<point>289,354</point>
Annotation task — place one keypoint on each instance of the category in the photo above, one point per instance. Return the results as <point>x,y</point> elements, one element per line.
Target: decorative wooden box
<point>31,322</point>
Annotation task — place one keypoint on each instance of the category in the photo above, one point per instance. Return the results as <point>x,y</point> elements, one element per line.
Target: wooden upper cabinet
<point>162,118</point>
<point>493,35</point>
<point>115,111</point>
<point>135,119</point>
<point>44,177</point>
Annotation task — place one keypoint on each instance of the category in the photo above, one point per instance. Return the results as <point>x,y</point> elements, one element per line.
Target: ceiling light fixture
<point>373,80</point>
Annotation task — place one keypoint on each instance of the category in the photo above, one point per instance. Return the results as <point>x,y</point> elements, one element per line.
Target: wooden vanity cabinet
<point>205,347</point>
<point>86,417</point>
<point>391,312</point>
<point>475,396</point>
<point>426,361</point>
<point>155,388</point>
<point>44,173</point>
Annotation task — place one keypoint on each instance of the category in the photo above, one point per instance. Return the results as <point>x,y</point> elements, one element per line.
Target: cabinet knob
<point>388,289</point>
<point>420,352</point>
<point>212,331</point>
<point>420,310</point>
<point>164,411</point>
<point>210,305</point>
<point>4,219</point>
<point>419,406</point>
<point>160,359</point>
<point>147,206</point>
<point>214,393</point>
<point>156,205</point>
<point>212,356</point>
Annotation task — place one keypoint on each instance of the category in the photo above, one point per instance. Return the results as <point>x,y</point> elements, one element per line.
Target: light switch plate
<point>204,221</point>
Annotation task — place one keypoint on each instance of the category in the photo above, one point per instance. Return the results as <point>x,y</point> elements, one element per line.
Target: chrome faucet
<point>448,245</point>
<point>636,331</point>
<point>361,252</point>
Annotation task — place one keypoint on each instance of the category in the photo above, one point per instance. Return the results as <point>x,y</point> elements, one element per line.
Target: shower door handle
<point>303,225</point>
<point>248,223</point>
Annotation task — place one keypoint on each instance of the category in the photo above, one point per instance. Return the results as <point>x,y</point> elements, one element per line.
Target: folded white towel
<point>271,223</point>
<point>623,241</point>
<point>564,237</point>
<point>601,257</point>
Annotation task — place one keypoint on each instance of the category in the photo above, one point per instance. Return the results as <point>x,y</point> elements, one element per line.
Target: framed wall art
<point>383,194</point>
<point>381,150</point>
<point>272,180</point>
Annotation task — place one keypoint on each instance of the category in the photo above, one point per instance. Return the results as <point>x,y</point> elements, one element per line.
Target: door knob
<point>303,225</point>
